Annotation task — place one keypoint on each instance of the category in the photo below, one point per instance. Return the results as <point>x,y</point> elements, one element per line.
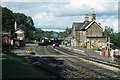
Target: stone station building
<point>87,34</point>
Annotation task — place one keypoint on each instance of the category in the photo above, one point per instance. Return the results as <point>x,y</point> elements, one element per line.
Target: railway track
<point>74,66</point>
<point>90,58</point>
<point>91,70</point>
<point>97,68</point>
<point>40,50</point>
<point>72,72</point>
<point>109,67</point>
<point>51,51</point>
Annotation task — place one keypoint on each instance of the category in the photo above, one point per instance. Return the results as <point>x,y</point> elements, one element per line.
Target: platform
<point>88,52</point>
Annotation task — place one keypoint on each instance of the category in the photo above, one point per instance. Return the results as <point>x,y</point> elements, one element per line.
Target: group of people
<point>66,43</point>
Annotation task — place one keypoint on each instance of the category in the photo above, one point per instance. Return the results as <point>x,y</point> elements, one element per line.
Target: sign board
<point>5,40</point>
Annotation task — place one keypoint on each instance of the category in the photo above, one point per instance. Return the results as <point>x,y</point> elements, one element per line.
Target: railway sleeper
<point>94,70</point>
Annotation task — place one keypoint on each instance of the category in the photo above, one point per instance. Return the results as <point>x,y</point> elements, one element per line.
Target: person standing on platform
<point>66,44</point>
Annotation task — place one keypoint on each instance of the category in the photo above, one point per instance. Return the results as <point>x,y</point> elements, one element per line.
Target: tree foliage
<point>27,25</point>
<point>23,22</point>
<point>7,20</point>
<point>66,33</point>
<point>114,38</point>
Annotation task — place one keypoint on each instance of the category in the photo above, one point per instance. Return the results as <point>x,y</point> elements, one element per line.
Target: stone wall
<point>94,30</point>
<point>80,37</point>
<point>73,31</point>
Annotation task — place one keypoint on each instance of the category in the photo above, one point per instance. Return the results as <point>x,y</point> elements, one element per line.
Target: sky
<point>57,15</point>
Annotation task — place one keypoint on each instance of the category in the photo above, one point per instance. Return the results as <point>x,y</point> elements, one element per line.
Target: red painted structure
<point>104,54</point>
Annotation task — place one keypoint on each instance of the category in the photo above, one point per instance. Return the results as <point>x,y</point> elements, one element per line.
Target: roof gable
<point>92,23</point>
<point>84,25</point>
<point>19,31</point>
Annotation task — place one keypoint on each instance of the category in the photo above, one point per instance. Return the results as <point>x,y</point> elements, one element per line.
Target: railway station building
<point>87,34</point>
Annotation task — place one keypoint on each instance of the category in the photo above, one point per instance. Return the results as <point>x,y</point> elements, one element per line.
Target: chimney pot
<point>106,31</point>
<point>86,18</point>
<point>93,16</point>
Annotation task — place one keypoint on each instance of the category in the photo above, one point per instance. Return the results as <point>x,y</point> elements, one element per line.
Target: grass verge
<point>16,68</point>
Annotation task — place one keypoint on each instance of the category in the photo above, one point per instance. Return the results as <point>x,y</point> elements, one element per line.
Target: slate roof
<point>18,29</point>
<point>81,26</point>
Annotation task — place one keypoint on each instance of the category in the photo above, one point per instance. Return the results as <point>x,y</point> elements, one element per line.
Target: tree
<point>114,38</point>
<point>7,20</point>
<point>27,25</point>
<point>66,33</point>
<point>23,22</point>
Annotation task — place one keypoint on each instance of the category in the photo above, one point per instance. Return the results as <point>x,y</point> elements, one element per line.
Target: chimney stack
<point>106,31</point>
<point>86,18</point>
<point>15,25</point>
<point>93,16</point>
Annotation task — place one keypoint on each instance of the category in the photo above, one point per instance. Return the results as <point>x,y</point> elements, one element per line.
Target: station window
<point>20,35</point>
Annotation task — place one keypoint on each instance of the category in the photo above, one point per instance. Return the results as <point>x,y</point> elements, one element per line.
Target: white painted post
<point>112,51</point>
<point>73,41</point>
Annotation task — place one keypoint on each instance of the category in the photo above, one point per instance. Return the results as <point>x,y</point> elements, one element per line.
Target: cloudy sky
<point>57,15</point>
